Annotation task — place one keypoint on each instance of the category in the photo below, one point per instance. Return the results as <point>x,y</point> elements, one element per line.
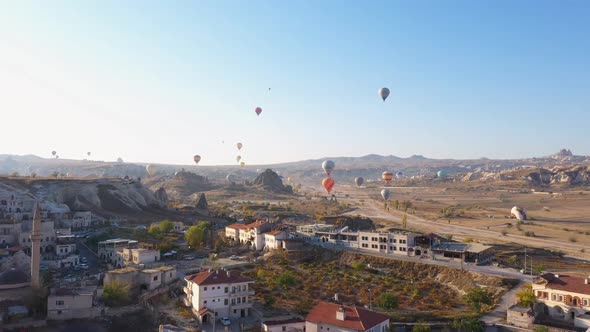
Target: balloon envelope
<point>231,179</point>
<point>519,213</point>
<point>328,166</point>
<point>328,184</point>
<point>197,158</point>
<point>239,145</point>
<point>399,174</point>
<point>386,193</point>
<point>441,174</point>
<point>359,181</point>
<point>238,158</point>
<point>53,153</point>
<point>88,153</point>
<point>258,110</point>
<point>151,169</point>
<point>384,93</point>
<point>242,164</point>
<point>387,176</point>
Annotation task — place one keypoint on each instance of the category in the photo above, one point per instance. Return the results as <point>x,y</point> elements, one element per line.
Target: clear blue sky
<point>159,81</point>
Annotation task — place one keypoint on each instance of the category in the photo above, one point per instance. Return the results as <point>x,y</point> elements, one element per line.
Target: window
<point>155,278</point>
<point>284,328</point>
<point>560,298</point>
<point>59,312</point>
<point>205,302</point>
<point>59,302</point>
<point>365,245</point>
<point>239,300</point>
<point>225,302</point>
<point>585,302</point>
<point>374,246</point>
<point>226,290</point>
<point>235,311</point>
<point>204,289</point>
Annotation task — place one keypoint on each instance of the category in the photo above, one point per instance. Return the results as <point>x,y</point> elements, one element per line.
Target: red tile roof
<point>237,226</point>
<point>216,277</point>
<point>356,318</point>
<point>255,224</point>
<point>565,283</point>
<point>275,232</point>
<point>203,311</point>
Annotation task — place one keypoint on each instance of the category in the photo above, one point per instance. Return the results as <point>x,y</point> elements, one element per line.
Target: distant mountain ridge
<point>370,166</point>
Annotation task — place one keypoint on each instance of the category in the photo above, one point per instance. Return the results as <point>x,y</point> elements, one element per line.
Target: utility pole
<point>369,289</point>
<point>524,260</point>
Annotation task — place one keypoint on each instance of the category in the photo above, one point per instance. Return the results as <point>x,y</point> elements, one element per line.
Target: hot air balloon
<point>387,176</point>
<point>519,213</point>
<point>258,170</point>
<point>242,164</point>
<point>328,184</point>
<point>53,153</point>
<point>441,174</point>
<point>258,110</point>
<point>359,181</point>
<point>385,193</point>
<point>231,179</point>
<point>328,167</point>
<point>57,157</point>
<point>88,153</point>
<point>197,158</point>
<point>399,174</point>
<point>384,93</point>
<point>239,145</point>
<point>238,158</point>
<point>151,169</point>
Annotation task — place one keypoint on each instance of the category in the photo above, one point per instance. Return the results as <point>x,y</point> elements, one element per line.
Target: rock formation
<point>161,195</point>
<point>271,181</point>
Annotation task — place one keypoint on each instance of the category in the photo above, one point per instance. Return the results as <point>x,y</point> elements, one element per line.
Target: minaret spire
<point>36,236</point>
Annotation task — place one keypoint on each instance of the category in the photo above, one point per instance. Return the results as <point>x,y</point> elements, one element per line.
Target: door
<point>242,313</point>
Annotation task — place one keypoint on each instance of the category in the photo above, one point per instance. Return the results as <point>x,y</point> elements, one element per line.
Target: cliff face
<point>115,196</point>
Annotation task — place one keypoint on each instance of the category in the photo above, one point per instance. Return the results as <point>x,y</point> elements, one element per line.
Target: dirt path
<point>374,210</point>
<point>508,299</point>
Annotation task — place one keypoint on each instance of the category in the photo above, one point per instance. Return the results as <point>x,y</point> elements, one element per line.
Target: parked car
<point>83,266</point>
<point>225,321</point>
<point>188,257</point>
<point>234,257</point>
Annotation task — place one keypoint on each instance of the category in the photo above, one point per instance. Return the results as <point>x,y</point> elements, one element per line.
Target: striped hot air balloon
<point>387,176</point>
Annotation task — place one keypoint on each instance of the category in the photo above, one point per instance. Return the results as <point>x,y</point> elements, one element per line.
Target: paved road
<point>92,260</point>
<point>373,209</point>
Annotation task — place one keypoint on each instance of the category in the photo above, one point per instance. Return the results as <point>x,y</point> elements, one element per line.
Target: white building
<point>334,317</point>
<point>140,256</point>
<point>251,234</point>
<point>81,220</point>
<point>71,303</point>
<point>284,324</point>
<point>395,243</point>
<point>274,239</point>
<point>563,297</point>
<point>217,293</point>
<point>108,250</point>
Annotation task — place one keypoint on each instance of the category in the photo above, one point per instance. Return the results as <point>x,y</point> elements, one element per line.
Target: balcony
<point>242,305</point>
<point>241,293</point>
<point>186,290</point>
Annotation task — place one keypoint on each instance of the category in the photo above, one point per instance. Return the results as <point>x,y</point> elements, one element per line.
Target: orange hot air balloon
<point>328,184</point>
<point>387,176</point>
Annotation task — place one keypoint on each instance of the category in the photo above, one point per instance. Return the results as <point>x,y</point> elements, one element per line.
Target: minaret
<point>36,248</point>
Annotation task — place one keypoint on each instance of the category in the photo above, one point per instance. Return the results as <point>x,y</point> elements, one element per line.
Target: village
<point>212,288</point>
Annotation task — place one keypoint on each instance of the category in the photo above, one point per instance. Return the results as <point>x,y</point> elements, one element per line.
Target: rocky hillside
<point>271,181</point>
<point>181,186</point>
<point>102,196</point>
<point>563,175</point>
